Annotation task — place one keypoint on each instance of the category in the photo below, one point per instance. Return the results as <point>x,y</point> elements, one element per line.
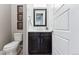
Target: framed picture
<point>19,25</point>
<point>20,17</point>
<point>20,8</point>
<point>40,17</point>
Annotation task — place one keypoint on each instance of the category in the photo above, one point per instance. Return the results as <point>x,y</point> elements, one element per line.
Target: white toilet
<point>11,48</point>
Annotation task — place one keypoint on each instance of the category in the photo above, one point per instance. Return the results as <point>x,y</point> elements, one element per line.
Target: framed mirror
<point>40,17</point>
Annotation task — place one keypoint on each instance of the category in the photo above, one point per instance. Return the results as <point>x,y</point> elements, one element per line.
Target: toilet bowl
<point>11,48</point>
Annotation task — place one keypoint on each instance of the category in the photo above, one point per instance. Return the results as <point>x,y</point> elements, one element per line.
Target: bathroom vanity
<point>39,28</point>
<point>40,43</point>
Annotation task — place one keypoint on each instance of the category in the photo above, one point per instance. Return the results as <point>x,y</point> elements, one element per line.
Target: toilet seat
<point>12,44</point>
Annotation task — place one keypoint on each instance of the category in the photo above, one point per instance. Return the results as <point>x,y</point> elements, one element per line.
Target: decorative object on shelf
<point>46,28</point>
<point>40,17</point>
<point>19,17</point>
<point>20,8</point>
<point>20,25</point>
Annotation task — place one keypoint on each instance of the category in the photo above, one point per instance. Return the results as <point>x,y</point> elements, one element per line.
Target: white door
<point>61,34</point>
<point>66,29</point>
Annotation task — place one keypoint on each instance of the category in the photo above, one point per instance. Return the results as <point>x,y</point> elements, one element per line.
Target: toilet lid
<point>11,44</point>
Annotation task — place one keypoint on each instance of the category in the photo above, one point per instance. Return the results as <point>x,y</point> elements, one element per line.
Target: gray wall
<point>14,18</point>
<point>5,24</point>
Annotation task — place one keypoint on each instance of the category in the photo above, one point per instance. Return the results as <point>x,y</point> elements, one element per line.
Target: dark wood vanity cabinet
<point>40,43</point>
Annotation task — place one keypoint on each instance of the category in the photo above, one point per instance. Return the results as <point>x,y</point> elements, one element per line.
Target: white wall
<point>5,24</point>
<point>74,27</point>
<point>30,18</point>
<point>25,33</point>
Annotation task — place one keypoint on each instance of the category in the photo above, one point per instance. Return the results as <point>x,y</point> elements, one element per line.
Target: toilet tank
<point>18,36</point>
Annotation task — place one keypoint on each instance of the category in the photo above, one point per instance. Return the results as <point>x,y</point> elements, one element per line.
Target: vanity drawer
<point>46,34</point>
<point>32,34</point>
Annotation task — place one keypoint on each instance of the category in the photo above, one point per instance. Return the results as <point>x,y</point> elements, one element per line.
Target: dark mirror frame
<point>45,16</point>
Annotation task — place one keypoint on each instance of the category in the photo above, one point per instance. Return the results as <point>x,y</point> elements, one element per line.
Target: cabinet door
<point>46,44</point>
<point>34,43</point>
